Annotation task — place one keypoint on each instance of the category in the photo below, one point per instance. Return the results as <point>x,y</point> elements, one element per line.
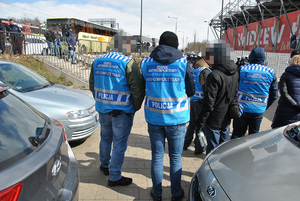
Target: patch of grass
<point>35,65</point>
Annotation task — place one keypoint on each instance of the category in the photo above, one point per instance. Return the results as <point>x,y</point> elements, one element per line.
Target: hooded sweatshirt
<point>165,54</point>
<point>221,90</point>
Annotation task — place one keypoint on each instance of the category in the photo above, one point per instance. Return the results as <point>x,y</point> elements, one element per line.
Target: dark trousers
<point>189,136</point>
<point>248,121</point>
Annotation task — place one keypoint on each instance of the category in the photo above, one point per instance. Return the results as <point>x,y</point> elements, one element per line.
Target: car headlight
<point>78,114</point>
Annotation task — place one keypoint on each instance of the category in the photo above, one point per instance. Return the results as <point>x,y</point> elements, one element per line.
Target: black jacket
<point>221,90</point>
<point>165,54</point>
<point>49,35</point>
<point>288,109</point>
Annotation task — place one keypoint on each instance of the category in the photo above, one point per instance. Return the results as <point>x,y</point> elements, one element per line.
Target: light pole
<point>207,29</point>
<point>141,28</point>
<point>175,23</point>
<point>182,38</point>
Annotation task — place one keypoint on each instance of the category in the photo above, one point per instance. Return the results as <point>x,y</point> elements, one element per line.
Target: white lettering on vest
<point>162,105</point>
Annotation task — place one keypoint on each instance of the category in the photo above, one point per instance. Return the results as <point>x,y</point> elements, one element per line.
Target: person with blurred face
<point>220,92</point>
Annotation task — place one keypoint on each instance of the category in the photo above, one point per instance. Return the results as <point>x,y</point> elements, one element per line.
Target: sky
<point>187,17</point>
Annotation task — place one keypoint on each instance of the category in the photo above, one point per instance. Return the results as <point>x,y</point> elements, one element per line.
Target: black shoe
<point>178,198</point>
<point>124,181</point>
<point>104,170</point>
<point>155,198</point>
<point>197,152</point>
<point>185,148</point>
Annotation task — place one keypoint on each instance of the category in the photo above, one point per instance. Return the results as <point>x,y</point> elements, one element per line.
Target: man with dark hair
<point>118,88</point>
<point>14,34</point>
<point>169,83</point>
<point>221,91</point>
<point>258,89</point>
<point>49,35</point>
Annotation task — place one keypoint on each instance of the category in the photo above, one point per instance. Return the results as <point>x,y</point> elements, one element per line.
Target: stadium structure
<point>271,24</point>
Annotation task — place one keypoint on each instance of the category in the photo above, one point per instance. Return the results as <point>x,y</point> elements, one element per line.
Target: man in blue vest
<point>258,89</point>
<point>169,83</point>
<point>200,71</point>
<point>119,90</point>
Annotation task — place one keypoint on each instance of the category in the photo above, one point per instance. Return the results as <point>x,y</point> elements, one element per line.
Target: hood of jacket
<point>294,69</point>
<point>257,56</point>
<point>229,67</point>
<point>165,54</point>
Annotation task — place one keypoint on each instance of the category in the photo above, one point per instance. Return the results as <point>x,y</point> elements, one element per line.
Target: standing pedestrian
<point>200,70</point>
<point>57,42</point>
<point>169,83</point>
<point>14,34</point>
<point>221,91</point>
<point>118,88</point>
<point>71,45</point>
<point>258,89</point>
<point>288,109</point>
<point>49,35</point>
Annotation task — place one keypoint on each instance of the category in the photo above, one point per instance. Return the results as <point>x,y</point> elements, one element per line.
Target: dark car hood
<point>262,166</point>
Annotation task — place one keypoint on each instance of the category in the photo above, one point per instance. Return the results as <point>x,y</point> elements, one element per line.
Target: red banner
<point>272,33</point>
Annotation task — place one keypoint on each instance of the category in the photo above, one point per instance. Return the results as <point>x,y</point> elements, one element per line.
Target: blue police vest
<point>254,86</point>
<point>166,102</point>
<point>199,90</point>
<point>111,89</point>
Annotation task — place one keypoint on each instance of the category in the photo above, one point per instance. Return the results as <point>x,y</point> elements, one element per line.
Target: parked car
<point>74,108</point>
<point>36,161</point>
<point>263,166</point>
<point>35,45</point>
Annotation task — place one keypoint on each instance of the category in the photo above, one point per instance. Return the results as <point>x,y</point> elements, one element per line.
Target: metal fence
<point>39,48</point>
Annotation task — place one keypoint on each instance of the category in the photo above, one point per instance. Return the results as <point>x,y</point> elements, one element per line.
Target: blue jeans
<point>57,43</point>
<point>114,132</point>
<point>71,54</point>
<point>175,137</point>
<point>251,120</point>
<point>215,136</point>
<point>50,47</point>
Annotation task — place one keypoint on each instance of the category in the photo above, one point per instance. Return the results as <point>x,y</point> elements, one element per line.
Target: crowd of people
<point>207,92</point>
<point>54,40</point>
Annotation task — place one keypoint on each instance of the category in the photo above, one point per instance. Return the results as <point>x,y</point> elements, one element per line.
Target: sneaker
<point>178,198</point>
<point>104,170</point>
<point>155,198</point>
<point>124,181</point>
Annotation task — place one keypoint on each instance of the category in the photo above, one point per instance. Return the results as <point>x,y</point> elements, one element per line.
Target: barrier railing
<point>16,43</point>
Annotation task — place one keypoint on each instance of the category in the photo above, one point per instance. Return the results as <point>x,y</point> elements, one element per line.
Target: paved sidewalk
<point>93,183</point>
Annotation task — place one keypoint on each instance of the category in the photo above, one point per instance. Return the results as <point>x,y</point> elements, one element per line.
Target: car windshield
<point>21,78</point>
<point>22,131</point>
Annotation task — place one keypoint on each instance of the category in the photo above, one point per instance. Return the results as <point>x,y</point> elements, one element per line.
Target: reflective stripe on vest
<point>111,88</point>
<point>254,87</point>
<point>166,102</point>
<point>112,97</point>
<point>198,87</point>
<point>166,105</point>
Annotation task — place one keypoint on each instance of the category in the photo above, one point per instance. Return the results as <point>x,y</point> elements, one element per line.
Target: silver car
<point>74,108</point>
<point>36,161</point>
<point>263,166</point>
